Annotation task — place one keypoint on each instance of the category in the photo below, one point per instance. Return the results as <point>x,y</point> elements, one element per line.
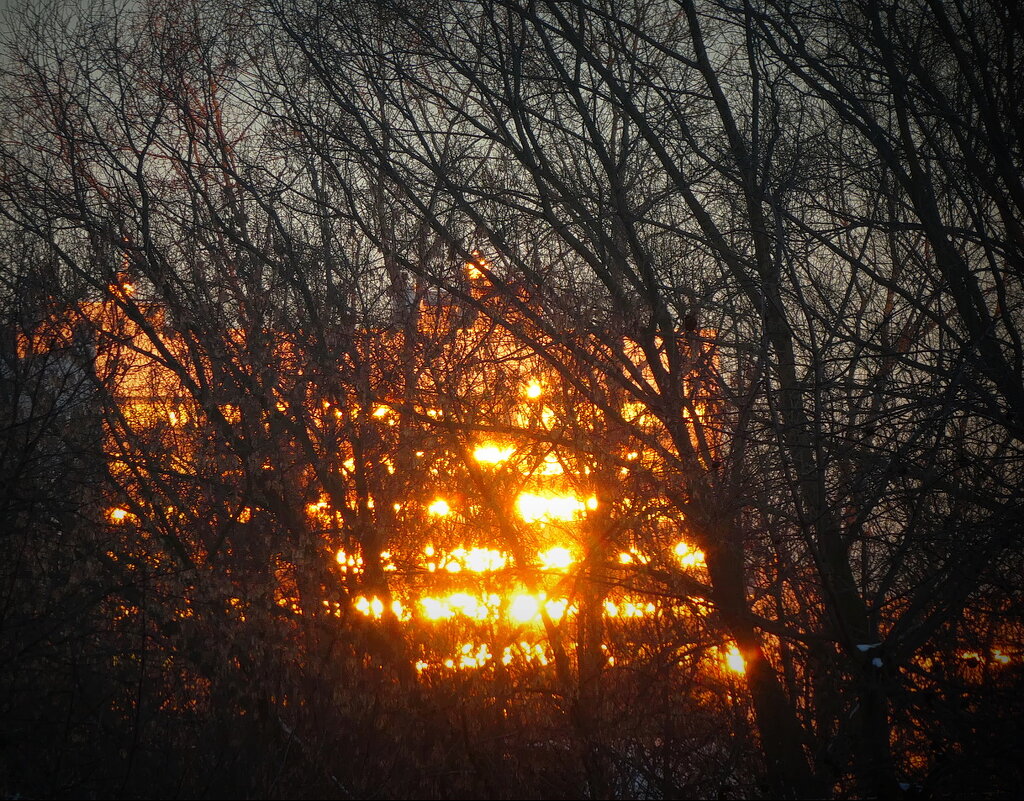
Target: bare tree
<point>741,280</point>
<point>641,166</point>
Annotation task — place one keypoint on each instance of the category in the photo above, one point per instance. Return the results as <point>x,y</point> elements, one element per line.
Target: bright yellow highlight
<point>490,453</point>
<point>628,609</point>
<point>998,657</point>
<point>557,558</point>
<point>120,515</point>
<point>528,652</point>
<point>314,509</point>
<point>475,560</point>
<point>550,466</point>
<point>470,657</point>
<point>556,608</point>
<point>371,607</point>
<point>439,508</point>
<point>374,607</point>
<point>734,660</point>
<point>631,557</point>
<point>349,563</point>
<point>689,556</point>
<point>535,508</point>
<point>533,390</point>
<point>524,609</point>
<point>483,607</point>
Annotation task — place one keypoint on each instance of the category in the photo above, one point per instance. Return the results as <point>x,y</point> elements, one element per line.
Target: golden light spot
<point>371,607</point>
<point>689,556</point>
<point>490,453</point>
<point>556,608</point>
<point>471,656</point>
<point>557,558</point>
<point>349,563</point>
<point>527,652</point>
<point>627,608</point>
<point>381,411</point>
<point>474,607</point>
<point>119,515</point>
<point>245,515</point>
<point>475,560</point>
<point>318,507</point>
<point>439,508</point>
<point>468,605</point>
<point>625,558</point>
<point>535,508</point>
<point>436,609</point>
<point>734,660</point>
<point>481,560</point>
<point>533,390</point>
<point>524,608</point>
<point>551,466</point>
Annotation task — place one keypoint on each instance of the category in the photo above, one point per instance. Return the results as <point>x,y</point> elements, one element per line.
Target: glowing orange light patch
<point>557,558</point>
<point>439,508</point>
<point>119,515</point>
<point>490,453</point>
<point>734,660</point>
<point>689,556</point>
<point>524,609</point>
<point>533,508</point>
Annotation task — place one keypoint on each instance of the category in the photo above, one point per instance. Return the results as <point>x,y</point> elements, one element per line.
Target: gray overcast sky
<point>6,6</point>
